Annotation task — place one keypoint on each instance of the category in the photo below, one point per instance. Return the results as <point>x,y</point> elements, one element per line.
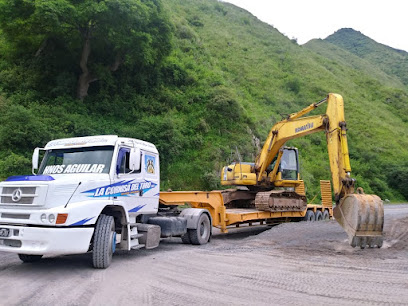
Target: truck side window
<point>122,166</point>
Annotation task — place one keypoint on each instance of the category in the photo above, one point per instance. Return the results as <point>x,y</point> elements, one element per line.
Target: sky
<point>385,21</point>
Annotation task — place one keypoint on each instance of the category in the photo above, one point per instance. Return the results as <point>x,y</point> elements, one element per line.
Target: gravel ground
<point>294,263</point>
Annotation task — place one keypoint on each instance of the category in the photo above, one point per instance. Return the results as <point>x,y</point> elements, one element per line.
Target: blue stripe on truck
<point>82,222</point>
<point>31,178</point>
<point>137,208</point>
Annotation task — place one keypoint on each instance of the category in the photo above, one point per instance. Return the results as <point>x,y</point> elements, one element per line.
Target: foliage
<point>397,177</point>
<point>202,79</point>
<point>391,61</point>
<point>21,129</point>
<point>12,163</point>
<point>94,36</point>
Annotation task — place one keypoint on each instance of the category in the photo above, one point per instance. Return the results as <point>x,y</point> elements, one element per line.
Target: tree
<point>102,35</point>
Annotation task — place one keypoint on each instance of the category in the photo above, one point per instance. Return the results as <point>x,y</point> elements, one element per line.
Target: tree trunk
<point>85,78</point>
<point>42,47</point>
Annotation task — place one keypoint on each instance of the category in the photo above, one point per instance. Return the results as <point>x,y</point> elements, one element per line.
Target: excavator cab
<point>287,173</point>
<point>289,164</point>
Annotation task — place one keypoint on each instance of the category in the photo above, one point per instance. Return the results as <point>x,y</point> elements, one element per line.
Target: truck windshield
<point>78,160</point>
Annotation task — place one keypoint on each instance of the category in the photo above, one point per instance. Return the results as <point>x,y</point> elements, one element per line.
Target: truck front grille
<point>18,195</point>
<point>15,216</point>
<point>11,243</point>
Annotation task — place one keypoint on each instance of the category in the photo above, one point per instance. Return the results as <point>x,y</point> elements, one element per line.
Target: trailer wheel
<point>29,258</point>
<point>201,235</point>
<point>104,242</point>
<point>310,216</point>
<point>326,215</point>
<point>318,216</point>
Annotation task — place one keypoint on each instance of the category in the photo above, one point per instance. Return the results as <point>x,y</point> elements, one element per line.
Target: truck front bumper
<point>46,241</point>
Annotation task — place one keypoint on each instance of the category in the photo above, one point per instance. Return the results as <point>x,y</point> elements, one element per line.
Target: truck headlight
<point>51,218</point>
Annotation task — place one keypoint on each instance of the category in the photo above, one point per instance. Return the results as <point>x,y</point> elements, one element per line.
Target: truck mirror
<point>36,155</point>
<point>134,159</point>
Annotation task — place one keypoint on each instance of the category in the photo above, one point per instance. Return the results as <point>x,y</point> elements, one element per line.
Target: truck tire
<point>29,258</point>
<point>309,217</point>
<point>326,215</point>
<point>318,216</point>
<point>186,238</point>
<point>104,243</point>
<point>201,235</point>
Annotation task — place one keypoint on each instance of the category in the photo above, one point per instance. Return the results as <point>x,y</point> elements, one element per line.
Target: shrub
<point>223,110</point>
<point>397,178</point>
<point>14,164</point>
<point>292,84</point>
<point>22,129</point>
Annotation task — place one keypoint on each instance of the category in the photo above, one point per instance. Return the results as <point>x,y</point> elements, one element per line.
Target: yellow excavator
<point>274,176</point>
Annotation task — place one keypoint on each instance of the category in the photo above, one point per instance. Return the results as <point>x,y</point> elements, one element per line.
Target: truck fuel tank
<point>170,226</point>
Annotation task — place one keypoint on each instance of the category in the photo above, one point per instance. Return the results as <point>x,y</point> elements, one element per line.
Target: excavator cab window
<point>289,165</point>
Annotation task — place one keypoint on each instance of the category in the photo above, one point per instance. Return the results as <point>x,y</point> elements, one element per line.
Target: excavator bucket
<point>362,217</point>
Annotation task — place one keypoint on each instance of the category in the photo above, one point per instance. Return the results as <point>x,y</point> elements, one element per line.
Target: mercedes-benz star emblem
<point>16,196</point>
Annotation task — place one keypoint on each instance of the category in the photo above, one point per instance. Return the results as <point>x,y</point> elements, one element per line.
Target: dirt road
<point>294,263</point>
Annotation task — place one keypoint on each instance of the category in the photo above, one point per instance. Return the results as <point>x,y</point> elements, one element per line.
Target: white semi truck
<point>102,193</point>
<point>98,194</point>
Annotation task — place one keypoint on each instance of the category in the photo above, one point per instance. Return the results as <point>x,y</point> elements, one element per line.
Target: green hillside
<point>392,61</point>
<point>341,56</point>
<point>221,84</point>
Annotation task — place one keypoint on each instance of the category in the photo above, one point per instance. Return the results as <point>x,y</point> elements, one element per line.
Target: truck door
<point>151,178</point>
<point>134,188</point>
<point>126,181</point>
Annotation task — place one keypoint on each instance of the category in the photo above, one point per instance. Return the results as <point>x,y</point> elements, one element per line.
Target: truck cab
<point>89,193</point>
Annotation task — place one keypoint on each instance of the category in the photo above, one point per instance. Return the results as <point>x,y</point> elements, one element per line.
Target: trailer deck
<point>223,217</point>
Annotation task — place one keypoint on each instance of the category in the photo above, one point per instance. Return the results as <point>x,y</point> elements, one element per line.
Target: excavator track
<point>280,201</point>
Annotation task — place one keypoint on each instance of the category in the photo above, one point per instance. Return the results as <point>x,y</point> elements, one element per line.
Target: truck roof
<point>100,140</point>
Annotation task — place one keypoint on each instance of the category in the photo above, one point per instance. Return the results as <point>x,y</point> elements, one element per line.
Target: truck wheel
<point>201,235</point>
<point>104,243</point>
<point>29,258</point>
<point>319,216</point>
<point>326,215</point>
<point>186,238</point>
<point>310,216</point>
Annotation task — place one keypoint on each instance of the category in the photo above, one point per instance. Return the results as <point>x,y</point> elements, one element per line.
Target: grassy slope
<point>345,58</point>
<point>392,61</point>
<point>237,76</point>
<point>271,76</point>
